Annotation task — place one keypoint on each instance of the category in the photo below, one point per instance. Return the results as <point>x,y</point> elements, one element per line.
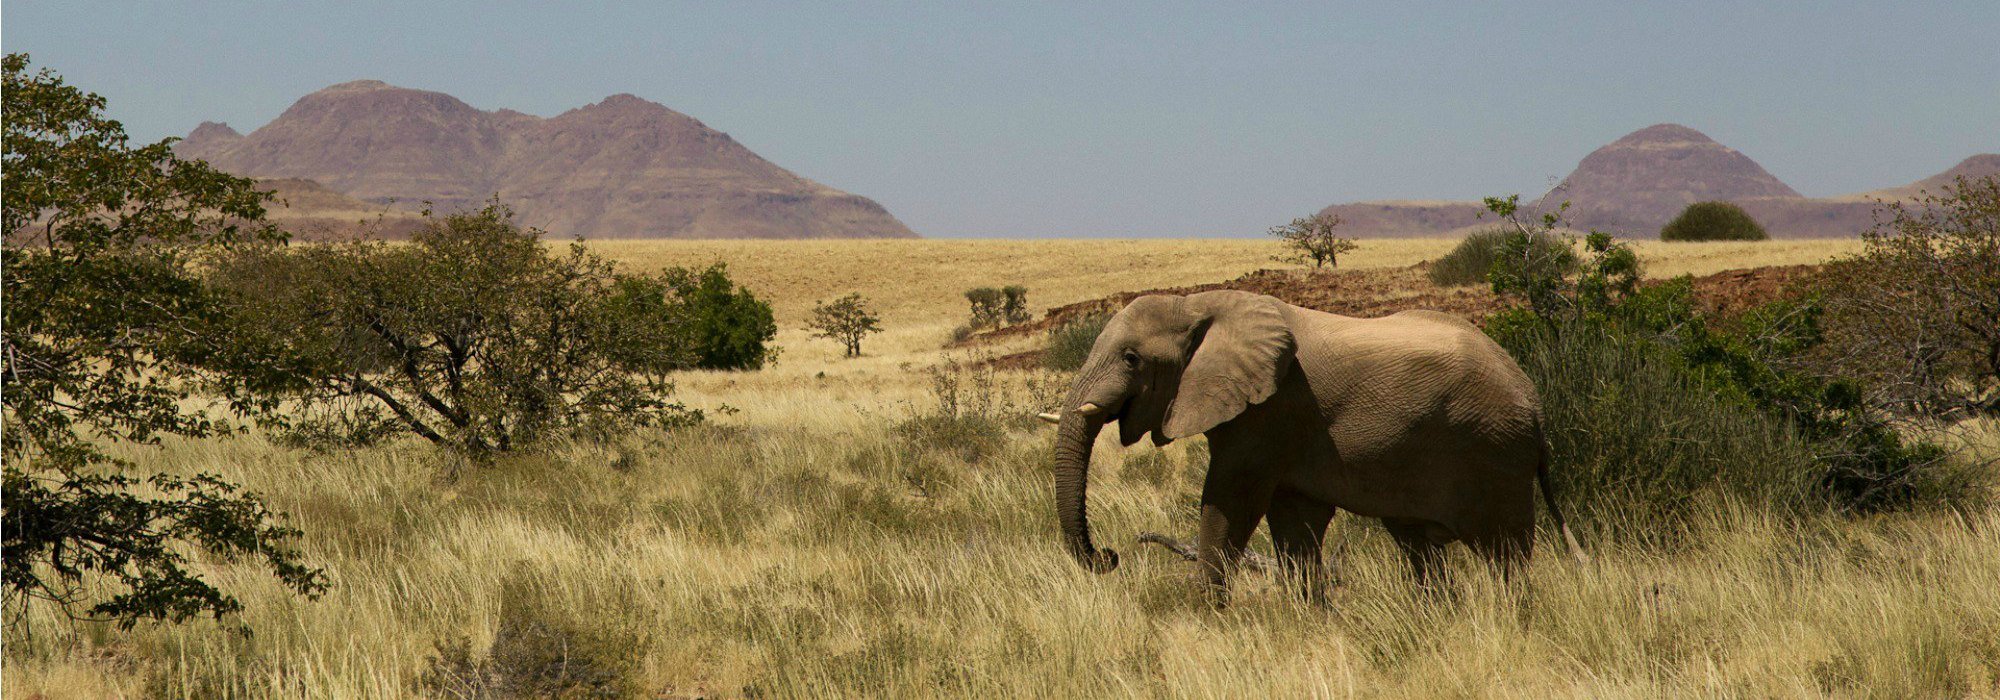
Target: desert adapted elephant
<point>1416,418</point>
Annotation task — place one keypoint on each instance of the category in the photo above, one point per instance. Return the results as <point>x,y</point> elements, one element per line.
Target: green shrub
<point>726,327</point>
<point>1713,221</point>
<point>1070,343</point>
<point>1471,261</point>
<point>1649,405</point>
<point>1634,437</point>
<point>1650,402</point>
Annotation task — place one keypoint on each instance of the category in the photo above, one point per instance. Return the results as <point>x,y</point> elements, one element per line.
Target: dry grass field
<point>918,286</point>
<point>805,545</point>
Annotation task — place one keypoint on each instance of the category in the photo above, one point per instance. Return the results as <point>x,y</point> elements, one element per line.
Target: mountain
<point>621,168</point>
<point>1982,165</point>
<point>1636,184</point>
<point>1642,180</point>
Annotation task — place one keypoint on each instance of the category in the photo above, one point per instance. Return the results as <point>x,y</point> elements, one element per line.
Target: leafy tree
<point>1917,313</point>
<point>727,326</point>
<point>1313,240</point>
<point>474,336</point>
<point>103,333</point>
<point>847,320</point>
<point>1713,221</point>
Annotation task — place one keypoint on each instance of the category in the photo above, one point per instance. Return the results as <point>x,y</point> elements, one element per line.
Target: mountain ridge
<point>622,167</point>
<point>1640,181</point>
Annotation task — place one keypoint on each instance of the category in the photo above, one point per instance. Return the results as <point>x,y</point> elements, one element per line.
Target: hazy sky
<point>1112,119</point>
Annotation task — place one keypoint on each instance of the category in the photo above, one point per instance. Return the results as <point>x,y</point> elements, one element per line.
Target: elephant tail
<point>1549,497</point>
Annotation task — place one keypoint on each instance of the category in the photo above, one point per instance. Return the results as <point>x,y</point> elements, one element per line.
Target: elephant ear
<point>1239,352</point>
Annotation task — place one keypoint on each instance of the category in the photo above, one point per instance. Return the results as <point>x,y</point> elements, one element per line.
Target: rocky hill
<point>621,168</point>
<point>1640,181</point>
<point>1636,184</point>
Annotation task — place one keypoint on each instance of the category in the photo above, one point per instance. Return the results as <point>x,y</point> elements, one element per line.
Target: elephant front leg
<point>1229,514</point>
<point>1298,527</point>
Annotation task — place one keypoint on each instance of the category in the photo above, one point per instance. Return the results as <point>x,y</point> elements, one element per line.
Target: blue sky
<point>1112,119</point>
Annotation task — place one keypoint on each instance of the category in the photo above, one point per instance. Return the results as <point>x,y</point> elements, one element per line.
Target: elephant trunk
<point>1075,435</point>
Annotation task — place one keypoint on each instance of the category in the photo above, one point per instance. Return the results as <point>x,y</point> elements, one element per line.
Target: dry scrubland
<point>806,546</point>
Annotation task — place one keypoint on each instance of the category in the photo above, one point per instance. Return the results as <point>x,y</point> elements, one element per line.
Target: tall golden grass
<point>817,543</point>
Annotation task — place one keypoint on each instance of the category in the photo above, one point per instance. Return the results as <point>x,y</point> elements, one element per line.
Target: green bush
<point>1070,343</point>
<point>726,326</point>
<point>1471,261</point>
<point>1713,221</point>
<point>1650,404</point>
<point>1634,436</point>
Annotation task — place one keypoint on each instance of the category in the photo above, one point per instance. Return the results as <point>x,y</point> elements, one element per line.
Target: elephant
<point>1416,418</point>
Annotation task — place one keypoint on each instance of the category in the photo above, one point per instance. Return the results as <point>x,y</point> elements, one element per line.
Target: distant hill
<point>1982,165</point>
<point>621,168</point>
<point>1636,184</point>
<point>1640,181</point>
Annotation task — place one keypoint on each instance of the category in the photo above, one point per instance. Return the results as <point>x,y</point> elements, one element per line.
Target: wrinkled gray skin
<point>1417,418</point>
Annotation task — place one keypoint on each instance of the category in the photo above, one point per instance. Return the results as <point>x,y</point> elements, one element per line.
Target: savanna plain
<point>814,538</point>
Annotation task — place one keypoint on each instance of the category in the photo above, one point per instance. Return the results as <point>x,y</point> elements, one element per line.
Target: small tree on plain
<point>847,319</point>
<point>987,304</point>
<point>1313,240</point>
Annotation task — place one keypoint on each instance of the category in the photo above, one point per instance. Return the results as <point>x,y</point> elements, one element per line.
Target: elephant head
<point>1172,366</point>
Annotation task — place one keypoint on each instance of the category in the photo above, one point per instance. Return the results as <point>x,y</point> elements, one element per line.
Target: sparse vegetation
<point>1471,261</point>
<point>1314,240</point>
<point>847,320</point>
<point>1713,221</point>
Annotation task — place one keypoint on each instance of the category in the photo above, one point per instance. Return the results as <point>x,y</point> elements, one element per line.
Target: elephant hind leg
<point>1507,550</point>
<point>1298,527</point>
<point>1418,540</point>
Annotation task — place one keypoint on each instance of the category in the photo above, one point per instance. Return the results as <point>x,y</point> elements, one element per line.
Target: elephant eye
<point>1131,358</point>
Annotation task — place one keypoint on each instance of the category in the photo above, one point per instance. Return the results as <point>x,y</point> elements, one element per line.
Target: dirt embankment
<point>1380,292</point>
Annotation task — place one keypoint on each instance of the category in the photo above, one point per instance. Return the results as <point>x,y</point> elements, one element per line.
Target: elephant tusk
<point>1050,417</point>
<point>1089,409</point>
